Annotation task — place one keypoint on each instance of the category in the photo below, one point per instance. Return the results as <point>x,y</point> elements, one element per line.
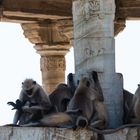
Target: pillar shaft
<point>94,48</point>
<point>53,71</point>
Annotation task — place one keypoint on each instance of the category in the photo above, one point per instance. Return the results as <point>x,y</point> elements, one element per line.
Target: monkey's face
<point>28,86</point>
<point>29,92</point>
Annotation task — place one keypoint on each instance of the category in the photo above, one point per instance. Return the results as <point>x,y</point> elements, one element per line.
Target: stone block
<point>93,19</point>
<point>112,86</point>
<point>124,134</point>
<point>97,26</point>
<point>44,133</point>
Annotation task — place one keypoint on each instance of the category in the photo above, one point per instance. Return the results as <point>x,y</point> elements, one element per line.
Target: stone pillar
<point>94,48</point>
<point>52,42</point>
<point>52,63</point>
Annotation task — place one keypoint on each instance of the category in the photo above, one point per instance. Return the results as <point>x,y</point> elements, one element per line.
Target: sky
<point>19,60</point>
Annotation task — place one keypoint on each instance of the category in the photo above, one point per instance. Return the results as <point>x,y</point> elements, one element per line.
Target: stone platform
<point>44,133</point>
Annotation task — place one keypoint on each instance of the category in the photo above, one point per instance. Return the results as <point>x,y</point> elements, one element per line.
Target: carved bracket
<point>119,26</point>
<point>89,7</point>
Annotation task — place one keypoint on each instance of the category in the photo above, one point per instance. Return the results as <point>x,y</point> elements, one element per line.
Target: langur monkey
<point>33,103</point>
<point>87,102</point>
<point>71,83</point>
<point>134,112</point>
<point>88,108</point>
<point>63,93</point>
<point>127,102</point>
<point>60,97</point>
<point>85,108</point>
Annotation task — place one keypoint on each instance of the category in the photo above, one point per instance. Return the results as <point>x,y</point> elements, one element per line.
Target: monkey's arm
<point>98,86</point>
<point>34,108</point>
<point>70,83</point>
<point>12,104</point>
<point>130,114</point>
<point>18,105</point>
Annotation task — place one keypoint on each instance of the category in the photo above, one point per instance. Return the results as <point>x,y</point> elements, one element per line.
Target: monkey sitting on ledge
<point>86,108</point>
<point>87,103</point>
<point>134,110</point>
<point>62,94</point>
<point>32,104</point>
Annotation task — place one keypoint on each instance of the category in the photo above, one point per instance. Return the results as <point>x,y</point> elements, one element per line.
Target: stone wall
<point>44,133</point>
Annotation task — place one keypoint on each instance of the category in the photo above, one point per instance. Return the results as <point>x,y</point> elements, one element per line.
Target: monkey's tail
<point>56,120</point>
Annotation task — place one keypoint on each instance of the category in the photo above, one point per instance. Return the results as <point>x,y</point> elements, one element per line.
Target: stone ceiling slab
<point>30,11</point>
<point>36,9</point>
<point>129,9</point>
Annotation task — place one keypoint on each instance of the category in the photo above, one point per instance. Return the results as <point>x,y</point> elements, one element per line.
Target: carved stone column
<point>52,42</point>
<point>94,48</point>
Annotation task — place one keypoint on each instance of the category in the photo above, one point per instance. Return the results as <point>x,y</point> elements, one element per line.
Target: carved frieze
<point>89,7</point>
<point>50,63</point>
<point>65,27</point>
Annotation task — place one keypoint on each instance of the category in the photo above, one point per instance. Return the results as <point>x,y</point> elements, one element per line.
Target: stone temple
<point>90,27</point>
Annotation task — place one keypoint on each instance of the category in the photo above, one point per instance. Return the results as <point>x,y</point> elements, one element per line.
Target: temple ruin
<point>90,27</point>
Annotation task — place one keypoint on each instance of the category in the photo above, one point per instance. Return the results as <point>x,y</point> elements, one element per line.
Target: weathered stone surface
<point>30,11</point>
<point>33,10</point>
<point>41,9</point>
<point>38,133</point>
<point>112,85</point>
<point>44,133</point>
<point>94,53</point>
<point>124,134</point>
<point>45,33</point>
<point>53,71</point>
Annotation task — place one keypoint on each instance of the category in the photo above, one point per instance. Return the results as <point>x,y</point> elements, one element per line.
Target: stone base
<point>44,133</point>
